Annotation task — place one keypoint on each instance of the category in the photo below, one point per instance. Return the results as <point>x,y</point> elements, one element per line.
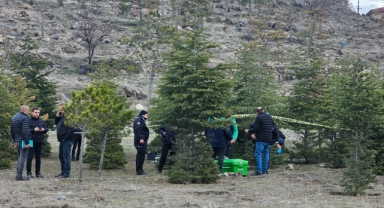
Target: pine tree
<point>360,104</point>
<point>8,105</point>
<point>188,94</point>
<point>358,176</point>
<point>34,70</point>
<point>102,114</point>
<point>304,102</point>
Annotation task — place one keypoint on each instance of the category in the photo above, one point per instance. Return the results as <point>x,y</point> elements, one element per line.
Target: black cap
<point>142,112</point>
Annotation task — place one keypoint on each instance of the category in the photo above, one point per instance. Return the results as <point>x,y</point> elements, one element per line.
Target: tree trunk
<point>102,153</point>
<point>42,23</point>
<point>81,155</point>
<point>249,5</point>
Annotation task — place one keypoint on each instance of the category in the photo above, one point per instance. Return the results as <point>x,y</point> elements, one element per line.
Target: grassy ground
<point>306,186</point>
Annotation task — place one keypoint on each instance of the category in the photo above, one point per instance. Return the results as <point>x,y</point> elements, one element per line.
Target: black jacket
<point>20,128</point>
<point>63,132</point>
<point>263,127</point>
<point>168,135</point>
<point>140,130</point>
<point>37,136</point>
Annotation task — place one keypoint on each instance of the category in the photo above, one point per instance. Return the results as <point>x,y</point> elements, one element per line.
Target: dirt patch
<point>306,186</point>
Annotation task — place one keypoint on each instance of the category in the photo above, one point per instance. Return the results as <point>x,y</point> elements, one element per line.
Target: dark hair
<point>35,108</point>
<point>259,109</point>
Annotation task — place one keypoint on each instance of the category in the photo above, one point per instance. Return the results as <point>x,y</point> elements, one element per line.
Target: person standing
<point>168,139</point>
<point>20,133</point>
<point>76,144</point>
<point>65,136</point>
<point>235,134</point>
<point>219,138</point>
<point>263,128</point>
<point>38,129</point>
<point>141,134</point>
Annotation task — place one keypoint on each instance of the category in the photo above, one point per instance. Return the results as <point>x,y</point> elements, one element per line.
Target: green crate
<point>235,166</point>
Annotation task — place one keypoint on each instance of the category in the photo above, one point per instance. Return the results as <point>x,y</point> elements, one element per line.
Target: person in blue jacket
<point>219,138</point>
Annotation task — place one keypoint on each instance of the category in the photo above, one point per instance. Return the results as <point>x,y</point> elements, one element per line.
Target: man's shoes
<point>77,158</point>
<point>159,172</point>
<point>38,175</point>
<point>56,176</point>
<point>63,176</point>
<point>256,173</point>
<point>29,175</point>
<point>22,178</point>
<point>141,173</point>
<point>73,159</point>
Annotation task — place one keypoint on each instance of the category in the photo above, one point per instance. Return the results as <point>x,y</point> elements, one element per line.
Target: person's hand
<point>36,129</point>
<point>27,146</point>
<point>58,114</point>
<point>253,136</point>
<point>233,141</point>
<point>246,131</point>
<point>14,145</point>
<point>279,151</point>
<point>278,145</point>
<point>42,129</point>
<point>141,141</point>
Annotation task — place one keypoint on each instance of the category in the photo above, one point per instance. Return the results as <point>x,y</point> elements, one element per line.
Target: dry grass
<point>306,186</point>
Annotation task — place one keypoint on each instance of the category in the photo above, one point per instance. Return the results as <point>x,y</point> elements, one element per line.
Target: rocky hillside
<point>56,30</point>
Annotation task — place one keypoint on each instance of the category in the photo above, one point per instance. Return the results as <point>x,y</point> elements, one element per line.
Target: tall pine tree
<point>188,94</point>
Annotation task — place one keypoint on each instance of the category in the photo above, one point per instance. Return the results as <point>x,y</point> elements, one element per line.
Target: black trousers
<point>140,156</point>
<point>164,153</point>
<point>34,151</point>
<point>219,152</point>
<point>76,144</point>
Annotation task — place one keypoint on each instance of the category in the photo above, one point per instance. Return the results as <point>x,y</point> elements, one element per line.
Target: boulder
<point>139,107</point>
<point>69,49</point>
<point>134,94</point>
<point>75,26</point>
<point>1,39</point>
<point>55,37</point>
<point>84,69</point>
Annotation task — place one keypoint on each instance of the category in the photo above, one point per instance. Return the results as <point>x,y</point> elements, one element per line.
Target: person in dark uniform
<point>141,133</point>
<point>168,139</point>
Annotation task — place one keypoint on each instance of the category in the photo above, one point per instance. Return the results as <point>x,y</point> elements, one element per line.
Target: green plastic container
<point>235,166</point>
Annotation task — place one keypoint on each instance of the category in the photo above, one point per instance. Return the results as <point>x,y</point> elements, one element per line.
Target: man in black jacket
<point>20,133</point>
<point>263,128</point>
<point>38,129</point>
<point>141,132</point>
<point>168,139</point>
<point>65,136</point>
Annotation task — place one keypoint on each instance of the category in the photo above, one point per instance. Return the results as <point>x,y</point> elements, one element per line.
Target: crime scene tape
<point>284,119</point>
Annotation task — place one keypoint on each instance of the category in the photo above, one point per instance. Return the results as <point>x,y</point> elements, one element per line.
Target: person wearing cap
<point>141,134</point>
<point>168,139</point>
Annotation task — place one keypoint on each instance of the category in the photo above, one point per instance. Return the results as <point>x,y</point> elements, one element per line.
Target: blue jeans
<point>23,154</point>
<point>65,157</point>
<point>262,148</point>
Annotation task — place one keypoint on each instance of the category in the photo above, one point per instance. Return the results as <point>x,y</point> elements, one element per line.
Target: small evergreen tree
<point>358,175</point>
<point>189,93</point>
<point>102,113</point>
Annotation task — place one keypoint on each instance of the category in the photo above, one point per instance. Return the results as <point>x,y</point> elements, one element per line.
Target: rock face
<point>69,49</point>
<point>229,26</point>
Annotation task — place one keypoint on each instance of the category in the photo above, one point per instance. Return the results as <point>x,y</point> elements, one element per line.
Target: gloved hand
<point>279,151</point>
